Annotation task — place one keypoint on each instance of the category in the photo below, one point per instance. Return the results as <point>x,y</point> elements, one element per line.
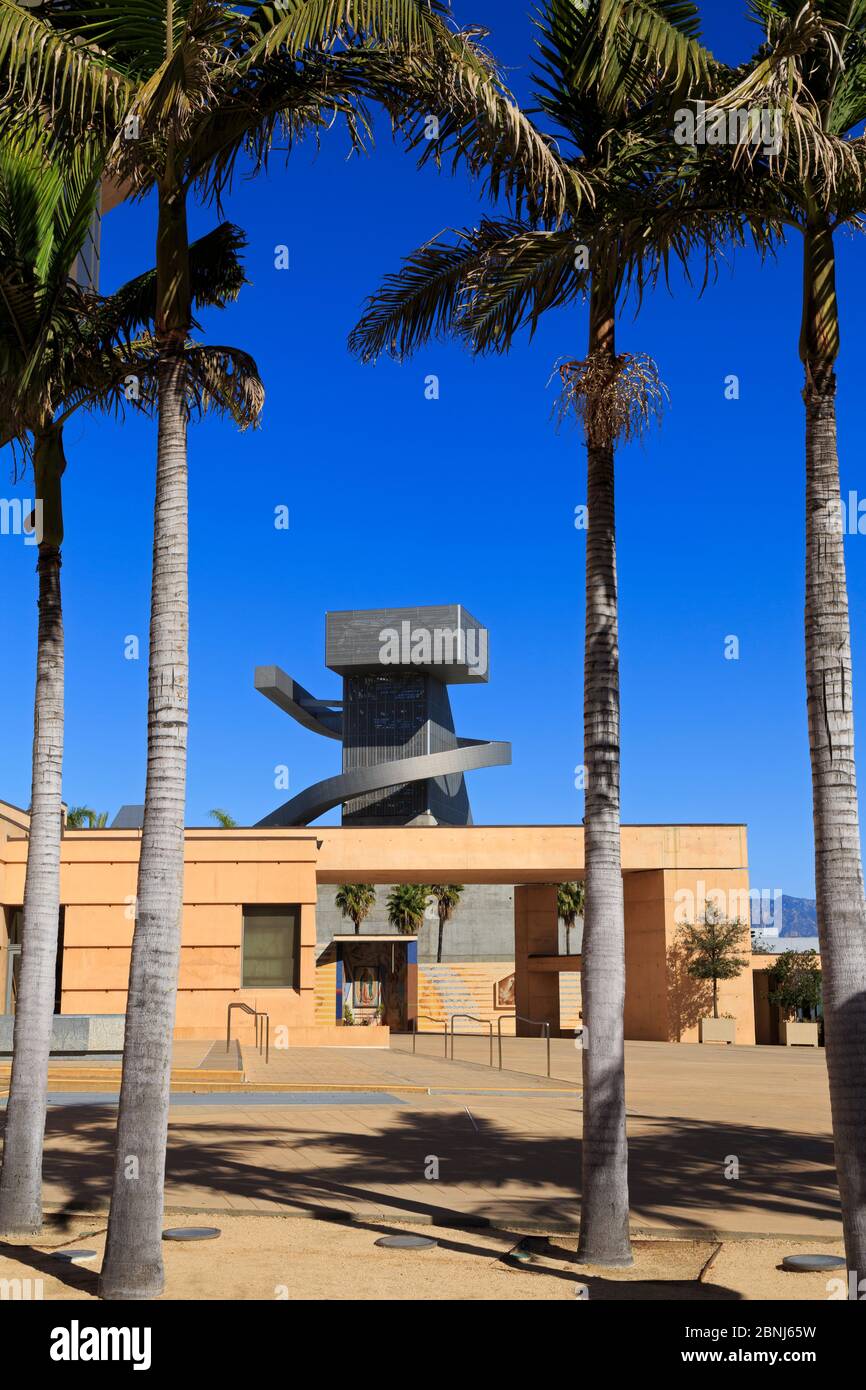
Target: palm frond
<point>519,279</point>
<point>477,122</point>
<point>600,62</point>
<point>225,380</point>
<point>425,298</point>
<point>301,25</point>
<point>44,68</point>
<point>216,279</point>
<point>792,77</point>
<point>281,103</point>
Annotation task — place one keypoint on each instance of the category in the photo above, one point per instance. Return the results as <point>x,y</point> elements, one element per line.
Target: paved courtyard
<point>732,1140</point>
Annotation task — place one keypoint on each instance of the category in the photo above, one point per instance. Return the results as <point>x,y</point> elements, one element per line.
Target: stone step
<point>60,1078</point>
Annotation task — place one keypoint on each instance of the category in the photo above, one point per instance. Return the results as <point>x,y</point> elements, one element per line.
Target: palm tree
<point>609,77</point>
<point>223,819</point>
<point>570,903</point>
<point>179,90</point>
<point>355,901</point>
<point>64,348</point>
<point>77,817</point>
<point>407,903</point>
<point>447,897</point>
<point>812,72</point>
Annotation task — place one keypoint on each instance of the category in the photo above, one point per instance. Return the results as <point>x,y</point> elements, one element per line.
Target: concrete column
<point>646,969</point>
<point>411,986</point>
<point>536,933</point>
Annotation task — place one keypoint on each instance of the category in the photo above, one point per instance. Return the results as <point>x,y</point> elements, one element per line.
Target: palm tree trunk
<point>133,1265</point>
<point>604,1233</point>
<point>21,1180</point>
<point>439,948</point>
<point>715,998</point>
<point>829,687</point>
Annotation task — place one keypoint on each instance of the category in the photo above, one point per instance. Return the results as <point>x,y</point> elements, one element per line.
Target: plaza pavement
<point>506,1146</point>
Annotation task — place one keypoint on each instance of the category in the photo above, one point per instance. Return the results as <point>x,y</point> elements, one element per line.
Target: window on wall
<point>271,947</point>
<point>9,987</point>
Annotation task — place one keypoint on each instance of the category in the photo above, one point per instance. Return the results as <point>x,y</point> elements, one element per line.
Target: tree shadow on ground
<point>677,1167</point>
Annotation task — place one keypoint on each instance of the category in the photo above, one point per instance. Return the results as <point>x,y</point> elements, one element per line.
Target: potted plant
<point>712,948</point>
<point>348,1017</point>
<point>797,981</point>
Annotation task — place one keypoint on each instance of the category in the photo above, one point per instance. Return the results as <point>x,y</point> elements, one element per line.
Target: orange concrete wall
<point>6,829</point>
<point>225,870</point>
<point>646,969</point>
<point>536,933</point>
<point>539,854</point>
<point>662,1002</point>
<point>689,1000</point>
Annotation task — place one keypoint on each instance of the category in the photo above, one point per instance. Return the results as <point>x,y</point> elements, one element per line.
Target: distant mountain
<point>798,917</point>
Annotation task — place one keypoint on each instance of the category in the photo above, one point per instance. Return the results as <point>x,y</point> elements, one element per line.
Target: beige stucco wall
<point>662,1002</point>
<point>224,871</point>
<point>515,853</point>
<point>227,869</point>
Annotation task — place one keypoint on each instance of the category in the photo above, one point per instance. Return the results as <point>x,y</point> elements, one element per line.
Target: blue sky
<point>395,499</point>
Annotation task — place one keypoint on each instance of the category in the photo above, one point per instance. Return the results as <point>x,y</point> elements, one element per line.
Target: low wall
<point>74,1033</point>
<point>374,1034</point>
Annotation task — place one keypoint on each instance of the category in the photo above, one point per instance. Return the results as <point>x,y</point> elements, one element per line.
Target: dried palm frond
<point>225,380</point>
<point>614,398</point>
<point>802,60</point>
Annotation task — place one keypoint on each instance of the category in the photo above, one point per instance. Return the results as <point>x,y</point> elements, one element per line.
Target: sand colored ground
<point>509,1162</point>
<point>277,1258</point>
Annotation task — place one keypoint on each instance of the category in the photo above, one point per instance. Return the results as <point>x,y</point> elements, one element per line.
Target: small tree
<point>447,897</point>
<point>355,901</point>
<point>223,819</point>
<point>797,981</point>
<point>712,947</point>
<point>570,903</point>
<point>407,903</point>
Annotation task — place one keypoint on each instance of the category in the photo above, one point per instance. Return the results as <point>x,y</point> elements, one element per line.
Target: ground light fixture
<point>191,1233</point>
<point>812,1264</point>
<point>74,1257</point>
<point>406,1242</point>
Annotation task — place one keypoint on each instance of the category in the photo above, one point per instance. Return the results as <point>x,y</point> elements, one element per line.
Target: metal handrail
<point>430,1019</point>
<point>473,1019</point>
<point>536,1023</point>
<point>266,1034</point>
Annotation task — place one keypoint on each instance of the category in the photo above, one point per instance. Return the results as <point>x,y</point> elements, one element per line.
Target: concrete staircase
<point>106,1079</point>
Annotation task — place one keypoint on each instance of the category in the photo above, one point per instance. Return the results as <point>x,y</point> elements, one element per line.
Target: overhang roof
<point>373,936</point>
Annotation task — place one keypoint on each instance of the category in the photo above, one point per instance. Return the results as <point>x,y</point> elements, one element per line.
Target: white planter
<point>794,1034</point>
<point>718,1030</point>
